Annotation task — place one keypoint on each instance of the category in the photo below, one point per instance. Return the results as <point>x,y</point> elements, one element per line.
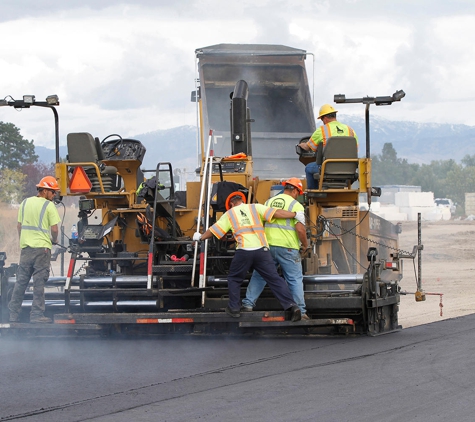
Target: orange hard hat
<point>48,182</point>
<point>296,183</point>
<point>231,196</point>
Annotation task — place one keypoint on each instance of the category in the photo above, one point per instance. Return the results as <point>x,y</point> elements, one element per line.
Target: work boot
<point>230,312</point>
<point>305,317</point>
<point>40,320</point>
<point>246,308</point>
<point>295,313</point>
<point>14,317</point>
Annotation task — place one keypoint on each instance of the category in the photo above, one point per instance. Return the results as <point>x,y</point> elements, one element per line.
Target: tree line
<point>20,170</point>
<point>19,167</point>
<point>446,178</point>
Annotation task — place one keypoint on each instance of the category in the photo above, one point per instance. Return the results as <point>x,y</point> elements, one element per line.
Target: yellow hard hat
<point>326,109</point>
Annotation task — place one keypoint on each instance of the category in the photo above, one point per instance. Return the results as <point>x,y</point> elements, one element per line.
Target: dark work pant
<point>34,262</point>
<point>261,260</point>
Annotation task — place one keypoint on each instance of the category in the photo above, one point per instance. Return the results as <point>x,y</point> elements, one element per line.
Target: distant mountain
<point>48,155</point>
<point>177,146</point>
<point>417,142</point>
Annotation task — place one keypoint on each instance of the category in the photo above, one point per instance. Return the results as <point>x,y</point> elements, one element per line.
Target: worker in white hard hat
<point>330,127</point>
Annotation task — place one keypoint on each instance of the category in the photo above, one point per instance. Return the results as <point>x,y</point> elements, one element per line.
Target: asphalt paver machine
<point>134,267</point>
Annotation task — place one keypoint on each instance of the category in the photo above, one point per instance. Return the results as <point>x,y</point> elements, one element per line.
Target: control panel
<point>123,149</point>
<point>230,167</point>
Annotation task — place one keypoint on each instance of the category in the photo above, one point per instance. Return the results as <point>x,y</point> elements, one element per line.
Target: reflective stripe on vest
<point>326,133</point>
<point>240,232</point>
<point>40,223</point>
<point>288,224</point>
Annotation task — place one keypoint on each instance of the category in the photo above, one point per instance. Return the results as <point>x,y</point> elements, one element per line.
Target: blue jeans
<point>290,263</point>
<point>310,170</point>
<point>261,260</point>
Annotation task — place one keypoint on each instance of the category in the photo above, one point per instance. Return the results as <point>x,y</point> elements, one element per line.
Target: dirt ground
<point>448,268</point>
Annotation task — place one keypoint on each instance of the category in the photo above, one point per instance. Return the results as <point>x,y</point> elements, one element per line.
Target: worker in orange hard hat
<point>330,127</point>
<point>232,196</point>
<point>287,243</point>
<point>295,183</point>
<point>252,250</point>
<point>38,219</point>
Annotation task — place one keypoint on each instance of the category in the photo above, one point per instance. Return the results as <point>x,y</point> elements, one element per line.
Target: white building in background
<point>404,203</point>
<point>470,203</point>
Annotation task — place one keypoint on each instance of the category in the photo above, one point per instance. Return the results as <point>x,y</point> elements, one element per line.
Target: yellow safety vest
<point>36,216</point>
<point>245,221</point>
<point>324,132</point>
<point>281,232</point>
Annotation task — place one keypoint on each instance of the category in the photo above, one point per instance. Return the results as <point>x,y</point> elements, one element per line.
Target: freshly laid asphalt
<point>423,373</point>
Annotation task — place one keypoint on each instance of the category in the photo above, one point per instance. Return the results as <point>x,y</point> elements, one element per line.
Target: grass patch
<point>9,241</point>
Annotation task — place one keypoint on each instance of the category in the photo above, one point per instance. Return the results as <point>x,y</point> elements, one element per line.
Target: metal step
<point>176,267</point>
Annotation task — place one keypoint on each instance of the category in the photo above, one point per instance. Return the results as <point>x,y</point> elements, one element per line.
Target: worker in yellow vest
<point>287,239</point>
<point>331,127</point>
<point>38,218</point>
<point>252,250</point>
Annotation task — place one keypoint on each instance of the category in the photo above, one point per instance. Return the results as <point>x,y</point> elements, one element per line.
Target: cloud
<point>129,67</point>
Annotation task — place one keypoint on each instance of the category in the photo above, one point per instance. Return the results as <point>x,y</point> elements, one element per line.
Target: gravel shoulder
<point>448,268</point>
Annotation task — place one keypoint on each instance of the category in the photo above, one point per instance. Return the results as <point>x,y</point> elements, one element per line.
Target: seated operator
<point>331,127</point>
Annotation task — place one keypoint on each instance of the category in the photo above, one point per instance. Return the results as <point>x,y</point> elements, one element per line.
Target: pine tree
<point>14,150</point>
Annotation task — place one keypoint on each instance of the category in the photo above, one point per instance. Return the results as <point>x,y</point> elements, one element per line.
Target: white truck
<point>446,203</point>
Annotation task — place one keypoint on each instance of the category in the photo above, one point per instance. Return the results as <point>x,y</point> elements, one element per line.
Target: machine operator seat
<point>82,147</point>
<point>338,174</point>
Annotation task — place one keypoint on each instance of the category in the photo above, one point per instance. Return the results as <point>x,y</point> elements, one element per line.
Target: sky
<point>128,67</point>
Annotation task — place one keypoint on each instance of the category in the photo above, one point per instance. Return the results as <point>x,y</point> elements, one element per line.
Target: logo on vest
<point>244,219</point>
<point>278,203</point>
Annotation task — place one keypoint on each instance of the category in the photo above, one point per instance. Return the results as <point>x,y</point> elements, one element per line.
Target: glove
<point>303,252</point>
<point>197,237</point>
<point>300,217</point>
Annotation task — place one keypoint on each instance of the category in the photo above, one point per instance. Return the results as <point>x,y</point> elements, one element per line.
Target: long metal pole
<point>56,126</point>
<point>62,251</point>
<point>198,223</point>
<point>419,253</point>
<point>56,132</point>
<point>202,281</point>
<point>368,145</point>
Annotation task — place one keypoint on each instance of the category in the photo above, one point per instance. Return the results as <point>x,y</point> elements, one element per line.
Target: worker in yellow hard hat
<point>330,127</point>
<point>38,219</point>
<point>287,241</point>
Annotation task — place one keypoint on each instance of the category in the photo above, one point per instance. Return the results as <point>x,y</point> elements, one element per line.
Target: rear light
<point>65,321</point>
<point>392,265</point>
<point>273,319</point>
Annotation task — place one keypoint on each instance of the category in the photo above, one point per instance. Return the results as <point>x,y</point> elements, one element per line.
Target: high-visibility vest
<point>324,132</point>
<point>245,221</point>
<point>36,216</point>
<point>281,231</point>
